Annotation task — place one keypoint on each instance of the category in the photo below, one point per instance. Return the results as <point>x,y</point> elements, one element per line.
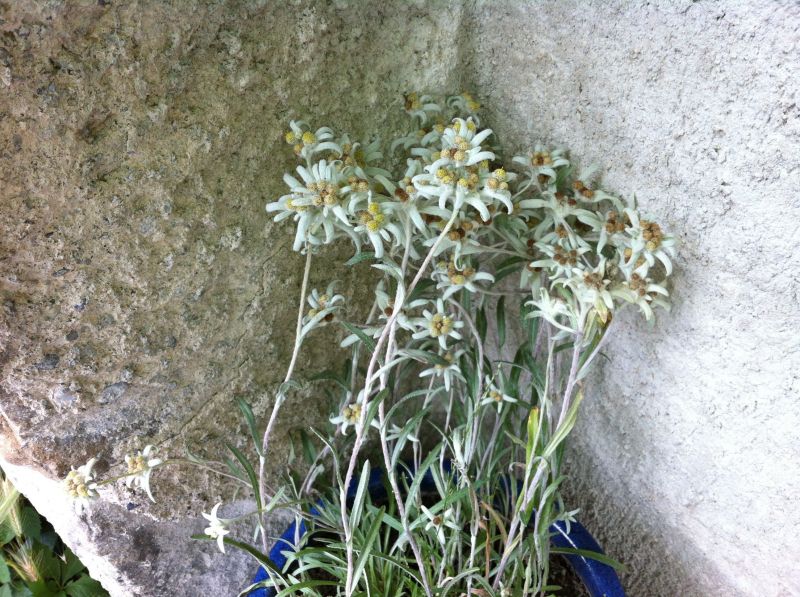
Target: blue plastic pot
<point>600,579</point>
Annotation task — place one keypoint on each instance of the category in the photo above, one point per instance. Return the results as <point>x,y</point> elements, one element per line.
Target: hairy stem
<point>262,462</point>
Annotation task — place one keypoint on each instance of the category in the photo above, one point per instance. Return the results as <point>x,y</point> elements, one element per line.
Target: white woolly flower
<point>439,324</point>
<point>406,197</point>
<point>420,106</point>
<point>439,522</point>
<point>464,104</point>
<point>323,307</point>
<point>306,143</point>
<point>561,258</point>
<point>80,482</point>
<point>351,414</point>
<point>140,465</point>
<point>556,311</point>
<point>643,293</point>
<point>647,243</point>
<point>315,204</point>
<point>591,288</point>
<point>374,223</point>
<point>386,308</point>
<point>448,372</point>
<point>496,396</point>
<point>458,175</point>
<point>461,144</point>
<point>541,165</point>
<point>452,279</point>
<point>358,159</point>
<point>216,528</point>
<point>558,208</point>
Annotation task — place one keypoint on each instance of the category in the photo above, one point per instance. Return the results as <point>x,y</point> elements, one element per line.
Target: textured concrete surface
<point>143,287</point>
<point>686,461</point>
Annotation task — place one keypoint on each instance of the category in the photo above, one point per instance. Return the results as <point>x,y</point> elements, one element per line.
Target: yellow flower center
<point>372,217</point>
<point>441,325</point>
<point>136,464</point>
<point>541,158</point>
<point>352,413</point>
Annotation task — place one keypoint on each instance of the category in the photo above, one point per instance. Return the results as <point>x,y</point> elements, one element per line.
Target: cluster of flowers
<point>582,252</point>
<point>442,197</point>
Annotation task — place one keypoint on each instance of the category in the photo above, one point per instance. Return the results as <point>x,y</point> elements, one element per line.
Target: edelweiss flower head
<point>647,243</point>
<point>306,143</point>
<point>439,325</point>
<point>216,528</point>
<point>447,372</point>
<point>453,279</point>
<point>323,307</point>
<point>557,311</point>
<point>439,522</point>
<point>496,396</point>
<point>374,222</point>
<point>140,465</point>
<point>80,482</point>
<point>350,415</point>
<point>316,204</point>
<point>386,308</point>
<point>591,289</point>
<point>643,293</point>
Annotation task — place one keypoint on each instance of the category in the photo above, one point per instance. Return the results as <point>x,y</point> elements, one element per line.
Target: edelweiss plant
<point>470,442</point>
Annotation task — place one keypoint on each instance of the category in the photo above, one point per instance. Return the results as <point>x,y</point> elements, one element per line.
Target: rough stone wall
<point>143,286</point>
<point>687,457</point>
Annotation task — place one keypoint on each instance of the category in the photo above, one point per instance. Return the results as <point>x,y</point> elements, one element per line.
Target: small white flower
<point>316,204</point>
<point>420,106</point>
<point>396,432</point>
<point>140,466</point>
<point>216,528</point>
<point>439,325</point>
<point>558,208</point>
<point>323,307</point>
<point>542,162</point>
<point>495,395</point>
<point>306,143</point>
<point>643,293</point>
<point>439,522</point>
<point>351,414</point>
<point>386,308</point>
<point>453,279</point>
<point>647,243</point>
<point>358,157</point>
<point>591,288</point>
<point>555,310</point>
<point>561,258</point>
<point>447,372</point>
<point>80,482</point>
<point>374,223</point>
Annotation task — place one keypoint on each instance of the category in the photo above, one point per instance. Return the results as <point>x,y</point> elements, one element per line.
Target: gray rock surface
<point>143,287</point>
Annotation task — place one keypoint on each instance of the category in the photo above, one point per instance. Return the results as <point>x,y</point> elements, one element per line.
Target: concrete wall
<point>687,459</point>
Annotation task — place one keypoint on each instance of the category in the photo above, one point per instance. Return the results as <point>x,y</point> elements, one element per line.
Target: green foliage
<point>33,560</point>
